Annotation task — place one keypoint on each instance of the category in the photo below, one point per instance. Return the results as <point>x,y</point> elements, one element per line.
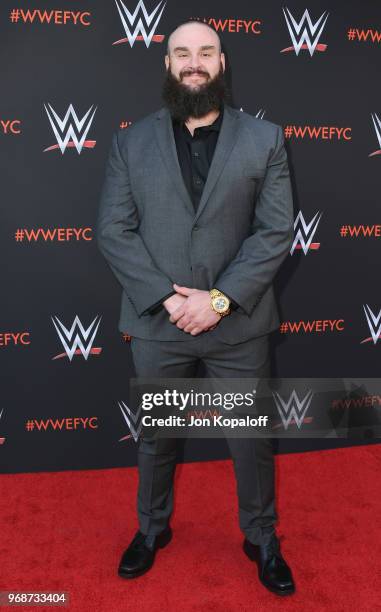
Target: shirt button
<point>195,154</point>
<point>197,181</point>
<point>195,228</point>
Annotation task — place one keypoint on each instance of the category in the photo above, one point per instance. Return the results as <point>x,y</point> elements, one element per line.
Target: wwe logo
<point>71,338</point>
<point>377,126</point>
<point>260,114</point>
<point>373,323</point>
<point>305,34</point>
<point>294,408</point>
<point>140,33</point>
<point>2,440</point>
<point>305,233</point>
<point>64,129</point>
<point>132,421</point>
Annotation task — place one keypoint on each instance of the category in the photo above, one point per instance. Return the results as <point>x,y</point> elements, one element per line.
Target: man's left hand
<point>196,314</point>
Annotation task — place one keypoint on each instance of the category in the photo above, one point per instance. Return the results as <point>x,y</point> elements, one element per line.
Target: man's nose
<point>194,64</point>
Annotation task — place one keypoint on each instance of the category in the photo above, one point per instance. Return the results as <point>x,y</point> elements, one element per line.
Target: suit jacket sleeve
<point>117,234</point>
<point>159,305</point>
<point>251,272</point>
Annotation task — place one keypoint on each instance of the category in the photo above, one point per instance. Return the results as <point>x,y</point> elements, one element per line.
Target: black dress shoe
<point>138,558</point>
<point>273,570</point>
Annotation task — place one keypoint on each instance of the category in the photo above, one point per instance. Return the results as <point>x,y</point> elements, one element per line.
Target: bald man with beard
<point>195,219</point>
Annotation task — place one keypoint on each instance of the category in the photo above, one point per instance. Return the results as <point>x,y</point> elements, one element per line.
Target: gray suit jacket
<point>150,235</point>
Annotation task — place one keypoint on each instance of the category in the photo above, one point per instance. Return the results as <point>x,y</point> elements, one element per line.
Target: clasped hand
<point>190,309</point>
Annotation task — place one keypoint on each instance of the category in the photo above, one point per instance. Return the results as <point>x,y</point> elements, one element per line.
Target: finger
<point>176,314</point>
<point>181,323</point>
<point>189,326</point>
<point>181,289</point>
<point>195,331</point>
<point>184,290</point>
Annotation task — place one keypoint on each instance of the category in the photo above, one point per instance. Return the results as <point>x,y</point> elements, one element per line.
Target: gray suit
<point>151,236</point>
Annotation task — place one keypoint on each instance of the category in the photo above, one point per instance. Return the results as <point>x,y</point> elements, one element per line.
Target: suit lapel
<point>166,141</point>
<point>225,142</point>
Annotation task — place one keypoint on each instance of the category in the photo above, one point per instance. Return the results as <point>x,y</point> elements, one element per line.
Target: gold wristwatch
<point>220,302</point>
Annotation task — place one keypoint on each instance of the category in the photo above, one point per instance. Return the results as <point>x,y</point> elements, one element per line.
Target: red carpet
<point>65,531</point>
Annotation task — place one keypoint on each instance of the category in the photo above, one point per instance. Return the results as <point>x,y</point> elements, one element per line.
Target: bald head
<point>193,31</point>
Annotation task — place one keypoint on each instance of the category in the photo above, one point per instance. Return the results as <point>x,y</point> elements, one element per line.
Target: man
<point>195,219</point>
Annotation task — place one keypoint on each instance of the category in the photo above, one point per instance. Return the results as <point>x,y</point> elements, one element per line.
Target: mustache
<point>190,72</point>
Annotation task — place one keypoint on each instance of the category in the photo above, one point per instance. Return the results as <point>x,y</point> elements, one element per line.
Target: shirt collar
<point>215,126</point>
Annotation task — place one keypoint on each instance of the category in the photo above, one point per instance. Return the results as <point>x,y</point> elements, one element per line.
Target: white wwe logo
<point>126,16</point>
<point>377,126</point>
<point>294,408</point>
<point>305,233</point>
<point>311,33</point>
<point>373,323</point>
<point>2,439</point>
<point>74,343</point>
<point>65,127</point>
<point>260,114</point>
<point>132,420</point>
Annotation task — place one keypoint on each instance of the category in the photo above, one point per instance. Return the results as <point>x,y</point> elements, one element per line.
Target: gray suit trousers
<point>253,458</point>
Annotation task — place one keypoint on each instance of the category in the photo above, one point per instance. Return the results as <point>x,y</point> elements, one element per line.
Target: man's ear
<point>223,60</point>
<point>166,59</point>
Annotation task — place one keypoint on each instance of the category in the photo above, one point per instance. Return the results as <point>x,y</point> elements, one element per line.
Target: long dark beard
<point>183,102</point>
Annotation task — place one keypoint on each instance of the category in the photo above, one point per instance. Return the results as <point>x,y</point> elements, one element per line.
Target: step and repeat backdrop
<point>73,73</point>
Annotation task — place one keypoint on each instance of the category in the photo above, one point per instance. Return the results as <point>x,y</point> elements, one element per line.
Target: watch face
<point>220,304</point>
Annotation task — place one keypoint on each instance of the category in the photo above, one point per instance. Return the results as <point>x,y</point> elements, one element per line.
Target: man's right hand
<point>174,302</point>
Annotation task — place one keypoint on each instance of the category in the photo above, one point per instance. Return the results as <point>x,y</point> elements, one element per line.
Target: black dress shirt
<point>195,154</point>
